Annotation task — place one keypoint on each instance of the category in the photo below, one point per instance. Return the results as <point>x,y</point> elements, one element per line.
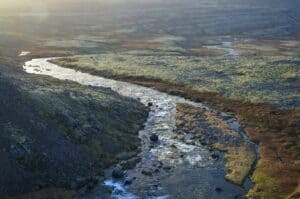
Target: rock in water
<point>129,180</point>
<point>150,104</point>
<point>215,156</point>
<point>153,137</point>
<point>117,173</point>
<point>218,190</point>
<point>82,182</point>
<point>147,172</point>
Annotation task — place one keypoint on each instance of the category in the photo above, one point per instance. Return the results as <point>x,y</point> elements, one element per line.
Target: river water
<point>170,168</point>
<point>225,46</point>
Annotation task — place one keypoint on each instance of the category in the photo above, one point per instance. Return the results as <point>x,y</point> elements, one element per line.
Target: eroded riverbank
<point>174,166</point>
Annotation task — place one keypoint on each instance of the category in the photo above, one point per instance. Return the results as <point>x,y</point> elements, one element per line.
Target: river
<point>175,169</point>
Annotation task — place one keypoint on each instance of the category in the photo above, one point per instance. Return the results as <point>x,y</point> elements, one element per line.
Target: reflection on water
<point>225,46</point>
<point>24,53</point>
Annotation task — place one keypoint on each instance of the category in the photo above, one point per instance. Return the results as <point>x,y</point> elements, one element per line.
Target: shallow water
<point>177,169</point>
<point>24,53</point>
<point>227,47</point>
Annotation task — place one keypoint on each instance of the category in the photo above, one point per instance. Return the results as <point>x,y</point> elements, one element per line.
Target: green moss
<point>265,187</point>
<point>238,162</point>
<point>95,148</point>
<point>260,47</point>
<point>255,79</point>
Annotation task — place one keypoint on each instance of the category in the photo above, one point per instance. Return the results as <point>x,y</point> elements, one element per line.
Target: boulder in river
<point>153,137</point>
<point>118,173</point>
<point>129,164</point>
<point>147,172</point>
<point>215,156</point>
<point>129,180</point>
<point>167,168</point>
<point>188,137</point>
<point>218,189</point>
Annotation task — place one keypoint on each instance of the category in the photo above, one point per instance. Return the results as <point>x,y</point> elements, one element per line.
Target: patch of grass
<point>239,161</point>
<point>238,155</point>
<point>96,148</point>
<point>265,187</point>
<point>205,52</point>
<point>255,79</point>
<point>219,123</point>
<point>269,48</point>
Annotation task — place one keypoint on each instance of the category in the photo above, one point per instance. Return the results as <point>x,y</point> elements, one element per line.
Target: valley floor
<point>238,58</point>
<point>267,106</point>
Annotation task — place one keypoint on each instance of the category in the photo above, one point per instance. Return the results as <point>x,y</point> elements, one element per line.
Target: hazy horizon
<point>40,6</point>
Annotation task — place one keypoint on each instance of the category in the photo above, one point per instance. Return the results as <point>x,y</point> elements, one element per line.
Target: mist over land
<point>90,5</point>
<point>269,18</point>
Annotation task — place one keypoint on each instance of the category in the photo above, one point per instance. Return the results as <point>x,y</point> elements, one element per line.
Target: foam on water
<point>119,190</point>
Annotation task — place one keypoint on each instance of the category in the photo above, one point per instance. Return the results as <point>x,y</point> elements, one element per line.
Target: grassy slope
<point>277,131</point>
<point>60,127</point>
